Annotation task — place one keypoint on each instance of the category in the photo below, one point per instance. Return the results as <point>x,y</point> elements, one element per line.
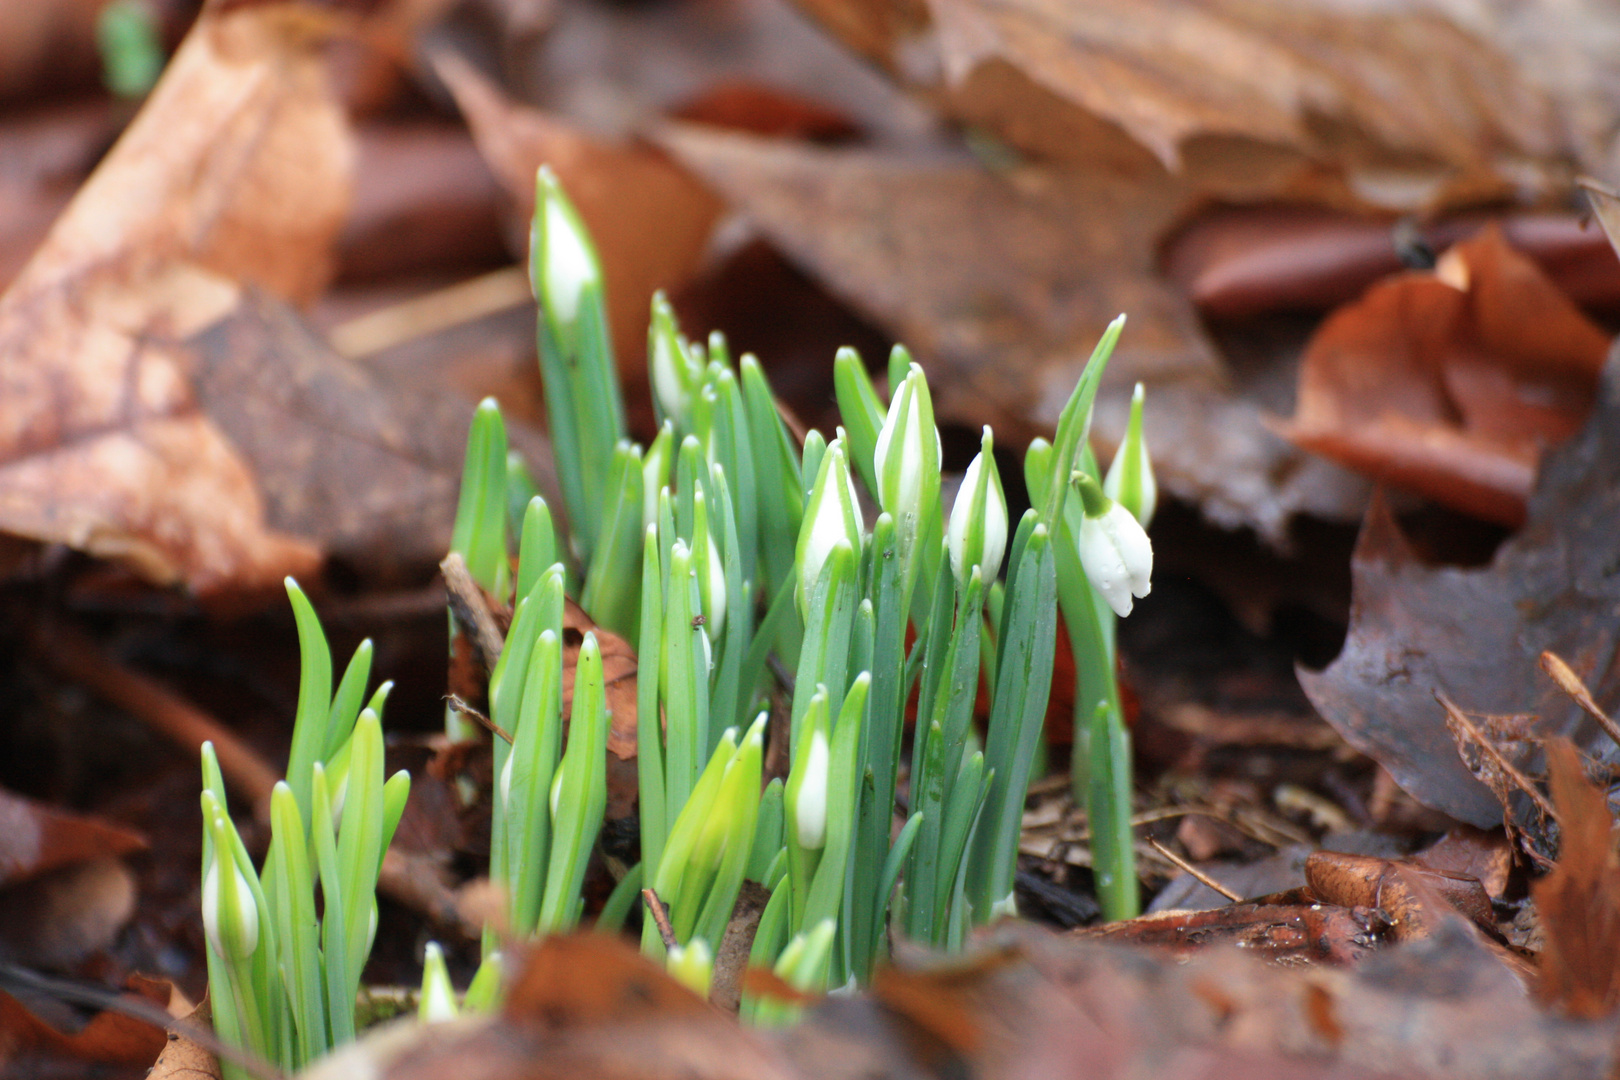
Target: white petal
<point>1104,566</point>
<point>569,265</point>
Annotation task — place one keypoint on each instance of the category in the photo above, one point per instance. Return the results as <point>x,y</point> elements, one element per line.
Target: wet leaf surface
<point>1477,635</point>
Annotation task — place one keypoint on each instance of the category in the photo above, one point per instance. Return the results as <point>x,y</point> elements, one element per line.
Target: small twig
<point>433,312</point>
<point>1571,684</point>
<point>457,705</point>
<point>1488,748</point>
<point>80,659</point>
<point>472,609</point>
<point>660,916</point>
<point>1188,868</point>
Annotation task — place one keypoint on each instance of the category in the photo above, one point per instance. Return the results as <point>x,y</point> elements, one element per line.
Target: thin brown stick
<point>1188,868</point>
<point>660,916</point>
<point>1571,684</point>
<point>457,705</point>
<point>80,659</point>
<point>472,609</point>
<point>1520,781</point>
<point>433,312</point>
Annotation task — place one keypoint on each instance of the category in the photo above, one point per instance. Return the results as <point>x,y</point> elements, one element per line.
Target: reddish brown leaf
<point>650,219</point>
<point>110,1037</point>
<point>1476,636</point>
<point>1579,902</point>
<point>1452,383</point>
<point>36,839</point>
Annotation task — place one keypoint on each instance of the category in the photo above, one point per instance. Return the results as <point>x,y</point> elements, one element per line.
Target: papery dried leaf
<point>1579,902</point>
<point>235,171</point>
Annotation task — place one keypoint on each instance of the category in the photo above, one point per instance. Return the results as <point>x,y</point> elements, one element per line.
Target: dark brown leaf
<point>1477,635</point>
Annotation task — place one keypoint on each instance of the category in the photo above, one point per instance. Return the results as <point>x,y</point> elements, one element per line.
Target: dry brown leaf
<point>1243,94</point>
<point>110,1037</point>
<point>1452,383</point>
<point>1002,283</point>
<point>237,170</point>
<point>1579,902</point>
<point>650,219</point>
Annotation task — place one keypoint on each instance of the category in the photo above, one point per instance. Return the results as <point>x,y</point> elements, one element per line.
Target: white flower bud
<point>907,458</point>
<point>692,965</point>
<point>977,533</point>
<point>833,515</point>
<point>231,922</point>
<point>669,365</point>
<point>567,264</point>
<point>1114,549</point>
<point>810,809</point>
<point>438,998</point>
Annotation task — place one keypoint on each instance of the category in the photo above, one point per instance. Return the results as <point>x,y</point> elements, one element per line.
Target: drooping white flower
<point>977,533</point>
<point>1114,548</point>
<point>1130,479</point>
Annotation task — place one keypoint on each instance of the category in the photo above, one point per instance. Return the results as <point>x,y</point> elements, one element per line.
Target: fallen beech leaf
<point>1286,928</point>
<point>1396,889</point>
<point>182,1058</point>
<point>762,110</point>
<point>425,203</point>
<point>1236,262</point>
<point>650,220</point>
<point>1452,383</point>
<point>110,1037</point>
<point>1001,284</point>
<point>1234,92</point>
<point>237,169</point>
<point>1485,856</point>
<point>1579,902</point>
<point>1476,636</point>
<point>36,839</point>
<point>909,244</point>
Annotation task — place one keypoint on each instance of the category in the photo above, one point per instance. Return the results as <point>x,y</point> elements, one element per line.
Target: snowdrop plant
<point>284,980</point>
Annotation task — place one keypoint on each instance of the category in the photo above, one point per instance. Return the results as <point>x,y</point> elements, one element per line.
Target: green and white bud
<point>833,515</point>
<point>692,965</point>
<point>1114,549</point>
<point>438,998</point>
<point>907,458</point>
<point>563,264</point>
<point>230,913</point>
<point>1130,477</point>
<point>672,368</point>
<point>711,574</point>
<point>656,468</point>
<point>810,795</point>
<point>977,533</point>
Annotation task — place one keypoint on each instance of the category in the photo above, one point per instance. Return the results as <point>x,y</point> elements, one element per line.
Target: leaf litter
<point>996,258</point>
